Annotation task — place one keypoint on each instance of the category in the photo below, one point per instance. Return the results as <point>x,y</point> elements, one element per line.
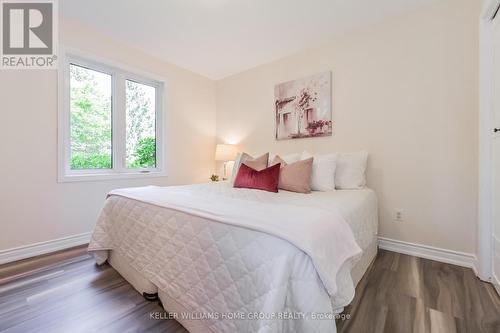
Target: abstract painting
<point>303,107</point>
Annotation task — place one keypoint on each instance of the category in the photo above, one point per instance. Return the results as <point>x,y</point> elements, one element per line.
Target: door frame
<point>484,246</point>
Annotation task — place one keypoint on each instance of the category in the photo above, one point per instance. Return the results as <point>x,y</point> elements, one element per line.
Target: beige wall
<point>33,206</point>
<point>405,90</point>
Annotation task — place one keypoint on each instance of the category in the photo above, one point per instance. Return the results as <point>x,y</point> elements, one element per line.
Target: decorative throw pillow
<point>323,171</point>
<point>351,170</point>
<point>257,163</point>
<point>290,158</point>
<point>295,177</point>
<point>266,180</point>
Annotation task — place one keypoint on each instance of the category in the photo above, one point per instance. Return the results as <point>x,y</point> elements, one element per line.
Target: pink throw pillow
<point>295,177</point>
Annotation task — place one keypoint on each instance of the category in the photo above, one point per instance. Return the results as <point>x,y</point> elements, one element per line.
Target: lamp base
<point>224,176</point>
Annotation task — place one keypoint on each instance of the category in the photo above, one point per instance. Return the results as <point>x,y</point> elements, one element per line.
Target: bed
<point>220,263</point>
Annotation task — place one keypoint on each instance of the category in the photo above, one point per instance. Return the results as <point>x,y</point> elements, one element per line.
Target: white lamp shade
<point>225,152</point>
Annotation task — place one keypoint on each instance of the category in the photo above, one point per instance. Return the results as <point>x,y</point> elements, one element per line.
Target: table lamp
<point>225,153</point>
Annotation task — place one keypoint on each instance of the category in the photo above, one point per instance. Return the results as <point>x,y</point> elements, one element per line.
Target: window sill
<point>109,176</point>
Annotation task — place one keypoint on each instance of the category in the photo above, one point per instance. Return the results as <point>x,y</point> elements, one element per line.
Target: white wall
<point>33,206</point>
<point>405,90</point>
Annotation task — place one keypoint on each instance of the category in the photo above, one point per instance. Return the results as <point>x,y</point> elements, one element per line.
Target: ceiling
<point>218,38</point>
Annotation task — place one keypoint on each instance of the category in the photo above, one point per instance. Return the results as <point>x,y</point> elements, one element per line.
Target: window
<point>109,121</point>
<point>90,119</point>
<point>141,128</point>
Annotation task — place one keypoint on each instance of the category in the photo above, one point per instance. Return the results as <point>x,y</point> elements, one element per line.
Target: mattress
<point>249,271</point>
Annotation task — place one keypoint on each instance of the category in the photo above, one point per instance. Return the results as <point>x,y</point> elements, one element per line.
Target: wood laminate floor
<point>67,292</point>
<point>402,293</point>
<point>75,295</point>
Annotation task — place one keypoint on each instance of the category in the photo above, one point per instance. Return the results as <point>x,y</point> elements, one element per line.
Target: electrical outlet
<point>398,215</point>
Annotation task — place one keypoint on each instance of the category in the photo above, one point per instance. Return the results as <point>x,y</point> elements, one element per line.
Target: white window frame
<point>120,73</point>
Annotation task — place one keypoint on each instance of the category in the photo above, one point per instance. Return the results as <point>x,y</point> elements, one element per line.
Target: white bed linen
<point>214,267</point>
<point>358,207</point>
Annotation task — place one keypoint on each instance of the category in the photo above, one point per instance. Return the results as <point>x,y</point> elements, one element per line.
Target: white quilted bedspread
<point>240,258</point>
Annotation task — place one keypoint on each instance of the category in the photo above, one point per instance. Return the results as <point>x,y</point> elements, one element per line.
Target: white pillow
<point>236,166</point>
<point>351,171</point>
<point>244,157</point>
<point>323,171</point>
<point>289,159</point>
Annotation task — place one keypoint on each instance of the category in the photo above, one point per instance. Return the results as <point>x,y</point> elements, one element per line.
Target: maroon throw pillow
<point>266,179</point>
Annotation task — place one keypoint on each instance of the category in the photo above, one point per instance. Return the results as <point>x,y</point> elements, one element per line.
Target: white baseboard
<point>429,252</point>
<point>33,250</point>
<point>495,281</point>
<point>417,250</point>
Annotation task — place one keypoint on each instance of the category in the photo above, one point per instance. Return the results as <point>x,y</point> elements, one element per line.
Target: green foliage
<point>91,121</point>
<point>145,154</point>
<point>83,161</point>
<point>140,112</point>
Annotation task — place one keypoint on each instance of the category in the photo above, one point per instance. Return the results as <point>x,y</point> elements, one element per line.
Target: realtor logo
<point>29,34</point>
